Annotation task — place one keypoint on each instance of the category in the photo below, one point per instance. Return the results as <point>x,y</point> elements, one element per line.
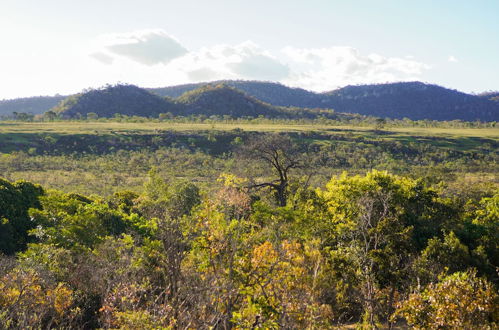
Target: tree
<point>50,115</point>
<point>375,219</point>
<point>15,201</point>
<point>459,301</point>
<point>77,222</point>
<point>30,301</point>
<point>280,285</point>
<point>23,116</point>
<point>280,155</point>
<point>379,124</point>
<point>92,116</point>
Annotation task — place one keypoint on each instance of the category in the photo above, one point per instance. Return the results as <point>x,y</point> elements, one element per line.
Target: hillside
<point>209,100</point>
<point>35,105</point>
<point>492,96</point>
<point>224,100</point>
<point>123,99</point>
<point>414,100</point>
<point>269,92</point>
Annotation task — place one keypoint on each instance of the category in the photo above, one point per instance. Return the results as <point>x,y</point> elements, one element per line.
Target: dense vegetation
<point>211,100</point>
<point>413,100</point>
<point>219,223</point>
<point>106,102</point>
<point>88,155</point>
<point>492,96</point>
<point>272,93</point>
<point>224,100</point>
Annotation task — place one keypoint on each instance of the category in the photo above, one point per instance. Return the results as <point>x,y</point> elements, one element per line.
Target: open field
<point>68,155</point>
<point>150,127</point>
<point>454,138</point>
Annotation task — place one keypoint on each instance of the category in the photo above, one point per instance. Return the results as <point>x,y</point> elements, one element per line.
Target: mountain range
<point>208,100</point>
<point>413,100</point>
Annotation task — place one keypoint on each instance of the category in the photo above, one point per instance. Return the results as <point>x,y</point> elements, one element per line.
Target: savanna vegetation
<point>220,223</point>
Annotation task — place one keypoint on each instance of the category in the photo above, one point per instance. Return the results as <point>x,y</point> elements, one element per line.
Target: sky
<point>62,47</point>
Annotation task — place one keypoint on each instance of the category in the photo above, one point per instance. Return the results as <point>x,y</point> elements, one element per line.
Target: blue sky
<point>64,46</point>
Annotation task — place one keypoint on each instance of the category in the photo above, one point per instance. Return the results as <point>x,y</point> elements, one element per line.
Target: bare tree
<point>277,153</point>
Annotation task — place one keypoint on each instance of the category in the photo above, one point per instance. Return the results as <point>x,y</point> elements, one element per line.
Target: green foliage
<point>460,300</point>
<point>173,243</point>
<point>15,201</point>
<point>374,221</point>
<point>164,199</point>
<point>442,255</point>
<point>75,222</point>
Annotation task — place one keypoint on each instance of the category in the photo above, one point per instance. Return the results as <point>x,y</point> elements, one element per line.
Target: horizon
<point>61,48</point>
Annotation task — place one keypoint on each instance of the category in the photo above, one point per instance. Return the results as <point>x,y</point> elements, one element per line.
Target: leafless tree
<point>280,155</point>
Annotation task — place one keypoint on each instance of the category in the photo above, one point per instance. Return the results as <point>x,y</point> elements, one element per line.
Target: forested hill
<point>269,92</point>
<point>131,100</point>
<point>224,100</point>
<point>492,96</point>
<point>208,100</point>
<point>414,100</point>
<point>34,104</point>
<point>120,99</point>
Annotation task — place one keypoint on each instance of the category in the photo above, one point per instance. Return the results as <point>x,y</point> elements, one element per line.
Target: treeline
<point>255,252</point>
<point>339,119</point>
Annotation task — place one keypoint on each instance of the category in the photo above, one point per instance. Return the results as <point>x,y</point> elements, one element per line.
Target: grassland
<point>459,138</point>
<point>103,157</point>
<point>68,127</point>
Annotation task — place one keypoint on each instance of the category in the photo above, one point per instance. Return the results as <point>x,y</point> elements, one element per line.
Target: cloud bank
<point>163,60</point>
<point>328,68</point>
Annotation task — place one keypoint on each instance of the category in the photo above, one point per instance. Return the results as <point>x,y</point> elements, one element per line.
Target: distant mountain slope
<point>492,96</point>
<point>209,100</point>
<point>34,105</point>
<point>224,100</point>
<point>414,100</point>
<point>123,99</point>
<point>269,92</point>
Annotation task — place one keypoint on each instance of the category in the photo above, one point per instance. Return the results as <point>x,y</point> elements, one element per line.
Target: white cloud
<point>323,69</point>
<point>243,61</point>
<point>147,47</point>
<point>103,58</point>
<point>452,59</point>
<point>153,58</point>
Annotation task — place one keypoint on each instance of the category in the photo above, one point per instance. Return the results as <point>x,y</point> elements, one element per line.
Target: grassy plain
<point>68,127</point>
<point>102,157</point>
<point>459,138</point>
